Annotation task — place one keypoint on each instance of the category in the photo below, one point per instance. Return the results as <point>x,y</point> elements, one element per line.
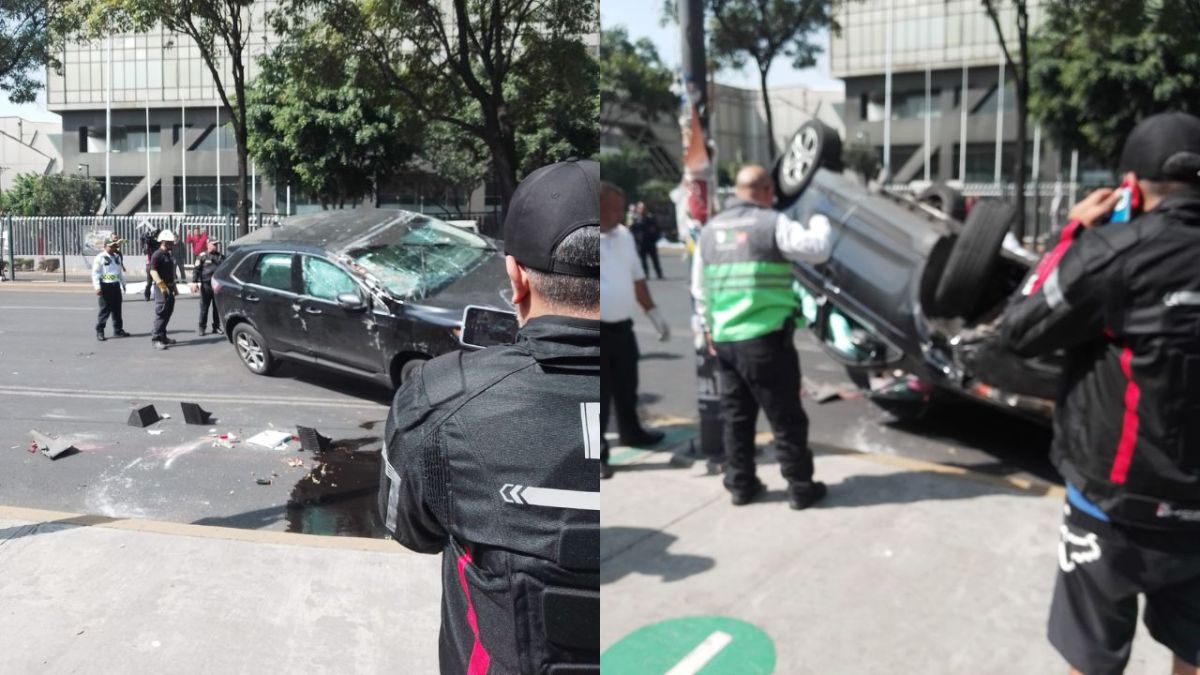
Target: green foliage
<point>318,118</point>
<point>34,194</point>
<point>625,167</point>
<point>24,46</point>
<point>635,86</point>
<point>860,157</point>
<point>1097,67</point>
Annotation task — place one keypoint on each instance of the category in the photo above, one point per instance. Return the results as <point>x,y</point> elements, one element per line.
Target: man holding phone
<point>490,457</point>
<point>1123,301</point>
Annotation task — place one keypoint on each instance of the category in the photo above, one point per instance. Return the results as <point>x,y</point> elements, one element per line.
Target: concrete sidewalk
<point>88,594</point>
<point>906,567</point>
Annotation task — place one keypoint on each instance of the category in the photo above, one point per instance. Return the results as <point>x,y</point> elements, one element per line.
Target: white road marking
<point>47,307</point>
<point>8,390</point>
<point>702,654</point>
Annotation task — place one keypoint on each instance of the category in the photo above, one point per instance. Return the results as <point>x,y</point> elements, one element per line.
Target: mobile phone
<point>487,327</point>
<point>1129,203</point>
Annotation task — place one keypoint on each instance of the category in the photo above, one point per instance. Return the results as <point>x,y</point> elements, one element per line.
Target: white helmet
<point>166,235</point>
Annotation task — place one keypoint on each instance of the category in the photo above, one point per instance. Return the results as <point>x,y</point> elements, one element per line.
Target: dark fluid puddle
<point>338,496</point>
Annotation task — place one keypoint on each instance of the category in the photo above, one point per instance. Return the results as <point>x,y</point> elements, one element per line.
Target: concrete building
<point>934,45</point>
<point>27,146</point>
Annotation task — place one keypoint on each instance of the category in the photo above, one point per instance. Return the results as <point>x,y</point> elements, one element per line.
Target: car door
<point>270,299</point>
<point>337,334</point>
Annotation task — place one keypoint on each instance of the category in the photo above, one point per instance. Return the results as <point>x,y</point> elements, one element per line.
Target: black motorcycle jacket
<point>492,458</point>
<point>205,266</point>
<point>1123,301</point>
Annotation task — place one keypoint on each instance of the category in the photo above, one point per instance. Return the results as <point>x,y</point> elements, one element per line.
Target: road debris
<point>263,481</point>
<point>225,440</point>
<point>295,462</point>
<point>144,416</point>
<point>154,432</point>
<point>311,440</point>
<point>51,446</point>
<point>275,440</point>
<point>194,414</point>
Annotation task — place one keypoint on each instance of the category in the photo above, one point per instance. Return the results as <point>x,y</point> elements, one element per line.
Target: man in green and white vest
<point>742,282</point>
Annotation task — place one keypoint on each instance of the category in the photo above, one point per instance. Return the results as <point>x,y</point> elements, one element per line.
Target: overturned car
<point>914,290</point>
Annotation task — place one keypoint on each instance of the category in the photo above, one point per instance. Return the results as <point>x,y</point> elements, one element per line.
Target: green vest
<point>748,284</point>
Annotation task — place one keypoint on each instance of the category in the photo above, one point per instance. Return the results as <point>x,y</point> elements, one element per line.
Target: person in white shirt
<point>108,279</point>
<point>622,290</point>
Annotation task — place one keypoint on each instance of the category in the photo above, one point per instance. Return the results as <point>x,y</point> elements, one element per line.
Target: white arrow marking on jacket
<point>702,654</point>
<point>567,499</point>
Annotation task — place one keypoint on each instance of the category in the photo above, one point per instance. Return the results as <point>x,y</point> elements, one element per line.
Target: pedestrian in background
<point>646,233</point>
<point>743,286</point>
<point>149,241</point>
<point>108,280</point>
<point>202,274</point>
<point>622,289</point>
<point>162,270</point>
<point>1123,301</point>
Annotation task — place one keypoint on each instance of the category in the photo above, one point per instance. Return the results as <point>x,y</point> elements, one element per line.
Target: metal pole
<point>288,208</point>
<point>217,131</point>
<point>1074,177</point>
<point>108,130</point>
<point>254,189</point>
<point>1037,185</point>
<point>149,181</point>
<point>887,96</point>
<point>928,114</point>
<point>1000,124</point>
<point>12,259</point>
<point>962,124</point>
<point>183,151</point>
<point>62,245</point>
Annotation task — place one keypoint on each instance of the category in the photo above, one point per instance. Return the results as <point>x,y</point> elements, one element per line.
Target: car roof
<point>326,230</point>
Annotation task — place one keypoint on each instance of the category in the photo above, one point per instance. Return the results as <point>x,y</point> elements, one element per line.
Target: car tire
<point>946,199</point>
<point>968,272</point>
<point>252,350</point>
<point>813,146</point>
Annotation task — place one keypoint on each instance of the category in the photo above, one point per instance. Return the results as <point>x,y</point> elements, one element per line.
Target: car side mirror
<point>351,302</point>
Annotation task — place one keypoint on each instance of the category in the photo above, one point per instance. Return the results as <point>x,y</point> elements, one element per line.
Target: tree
<point>1100,66</point>
<point>34,194</point>
<point>623,167</point>
<point>762,31</point>
<point>220,29</point>
<point>1020,75</point>
<point>316,117</point>
<point>24,46</point>
<point>635,86</point>
<point>466,64</point>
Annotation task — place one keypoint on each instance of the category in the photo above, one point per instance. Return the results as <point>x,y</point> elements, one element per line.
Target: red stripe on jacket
<point>480,658</point>
<point>1051,259</point>
<point>1129,424</point>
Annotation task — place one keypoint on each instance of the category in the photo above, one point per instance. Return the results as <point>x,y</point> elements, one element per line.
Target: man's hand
<point>195,288</point>
<point>1095,208</point>
<point>660,324</point>
<point>162,287</point>
<point>97,291</point>
<point>712,349</point>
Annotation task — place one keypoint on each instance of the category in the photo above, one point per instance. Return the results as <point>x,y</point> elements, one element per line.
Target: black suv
<point>369,292</point>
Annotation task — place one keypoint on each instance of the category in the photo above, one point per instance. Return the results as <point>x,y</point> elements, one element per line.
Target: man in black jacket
<point>490,458</point>
<point>1123,301</point>
<point>202,274</point>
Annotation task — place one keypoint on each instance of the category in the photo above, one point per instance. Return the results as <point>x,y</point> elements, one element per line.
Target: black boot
<point>100,336</point>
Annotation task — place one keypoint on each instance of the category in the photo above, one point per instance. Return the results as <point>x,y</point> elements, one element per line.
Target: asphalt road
<point>56,378</point>
<point>965,434</point>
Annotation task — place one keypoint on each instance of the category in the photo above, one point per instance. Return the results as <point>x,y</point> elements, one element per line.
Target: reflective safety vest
<point>748,283</point>
<point>106,269</point>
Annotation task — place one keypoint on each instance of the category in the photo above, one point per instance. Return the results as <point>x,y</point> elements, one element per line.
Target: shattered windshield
<point>421,257</point>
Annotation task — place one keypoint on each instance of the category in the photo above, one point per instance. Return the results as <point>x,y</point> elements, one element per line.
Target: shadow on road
<point>644,551</point>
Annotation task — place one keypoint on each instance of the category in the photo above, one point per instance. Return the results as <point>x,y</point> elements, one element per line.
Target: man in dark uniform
<point>162,272</point>
<point>491,457</point>
<point>645,230</point>
<point>742,283</point>
<point>1123,300</point>
<point>202,274</point>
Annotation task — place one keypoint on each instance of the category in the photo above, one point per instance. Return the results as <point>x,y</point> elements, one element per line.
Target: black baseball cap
<point>548,205</point>
<point>1164,147</point>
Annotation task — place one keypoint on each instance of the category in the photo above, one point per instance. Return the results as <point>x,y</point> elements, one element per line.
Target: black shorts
<point>1102,570</point>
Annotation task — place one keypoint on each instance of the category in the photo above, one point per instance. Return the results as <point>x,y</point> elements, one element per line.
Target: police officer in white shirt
<point>108,279</point>
<point>622,289</point>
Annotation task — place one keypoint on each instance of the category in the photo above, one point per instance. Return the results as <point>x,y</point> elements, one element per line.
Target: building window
<point>83,139</point>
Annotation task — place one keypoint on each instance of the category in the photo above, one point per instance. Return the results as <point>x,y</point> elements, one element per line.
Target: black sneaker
<point>746,495</point>
<point>100,336</point>
<point>606,471</point>
<point>201,331</point>
<point>217,330</point>
<point>803,495</point>
<point>159,345</point>
<point>648,438</point>
<point>169,341</point>
<point>121,333</point>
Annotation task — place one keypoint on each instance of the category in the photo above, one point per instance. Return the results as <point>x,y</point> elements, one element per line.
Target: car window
<point>325,280</point>
<point>274,270</point>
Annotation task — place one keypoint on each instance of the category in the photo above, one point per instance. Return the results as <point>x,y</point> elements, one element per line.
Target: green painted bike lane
<point>707,645</point>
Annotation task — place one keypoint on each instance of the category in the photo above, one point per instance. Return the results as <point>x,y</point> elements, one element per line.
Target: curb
<point>43,517</point>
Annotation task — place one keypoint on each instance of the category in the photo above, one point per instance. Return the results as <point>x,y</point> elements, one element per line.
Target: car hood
<point>486,285</point>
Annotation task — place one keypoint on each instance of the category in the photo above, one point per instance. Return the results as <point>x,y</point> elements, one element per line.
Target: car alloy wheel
<point>802,154</point>
<point>251,352</point>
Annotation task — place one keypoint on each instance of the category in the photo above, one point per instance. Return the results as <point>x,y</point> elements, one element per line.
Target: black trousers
<point>164,306</point>
<point>650,250</point>
<point>762,373</point>
<point>110,304</point>
<point>208,298</point>
<point>619,380</point>
<point>149,280</point>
